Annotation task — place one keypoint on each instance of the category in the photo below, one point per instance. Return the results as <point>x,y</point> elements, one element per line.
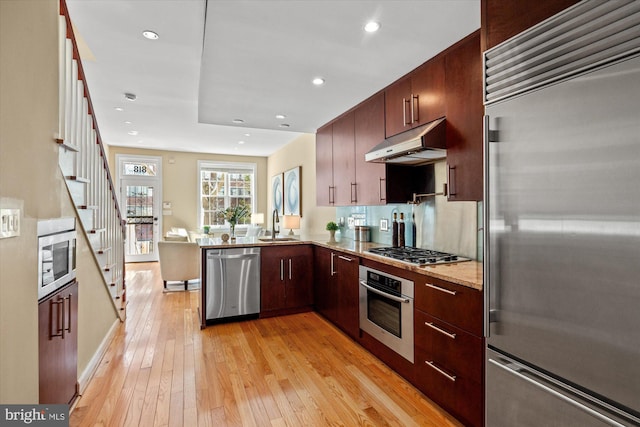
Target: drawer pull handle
<point>442,331</point>
<point>438,288</point>
<point>433,365</point>
<point>344,258</point>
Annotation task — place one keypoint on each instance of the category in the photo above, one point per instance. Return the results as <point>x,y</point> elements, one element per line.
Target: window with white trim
<point>223,185</point>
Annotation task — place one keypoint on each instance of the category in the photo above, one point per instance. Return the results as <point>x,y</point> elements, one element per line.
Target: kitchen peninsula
<point>445,314</point>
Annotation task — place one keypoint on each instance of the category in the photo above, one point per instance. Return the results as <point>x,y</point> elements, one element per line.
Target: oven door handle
<point>384,294</point>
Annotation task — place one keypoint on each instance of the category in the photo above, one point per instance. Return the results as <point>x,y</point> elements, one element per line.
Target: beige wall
<point>301,152</point>
<point>30,180</point>
<point>180,181</point>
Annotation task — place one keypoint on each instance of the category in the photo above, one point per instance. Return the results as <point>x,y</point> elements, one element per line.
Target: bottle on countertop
<point>394,231</point>
<point>414,230</point>
<point>401,231</point>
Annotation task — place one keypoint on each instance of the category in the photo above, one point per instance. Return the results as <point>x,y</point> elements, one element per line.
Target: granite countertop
<point>467,273</point>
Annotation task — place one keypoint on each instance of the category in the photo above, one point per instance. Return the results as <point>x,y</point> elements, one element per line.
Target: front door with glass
<point>140,202</point>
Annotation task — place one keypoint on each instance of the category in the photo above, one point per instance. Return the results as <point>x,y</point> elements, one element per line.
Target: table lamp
<point>257,218</point>
<point>291,222</point>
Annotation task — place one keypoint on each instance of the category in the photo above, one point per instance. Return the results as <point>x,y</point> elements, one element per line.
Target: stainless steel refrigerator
<point>562,221</point>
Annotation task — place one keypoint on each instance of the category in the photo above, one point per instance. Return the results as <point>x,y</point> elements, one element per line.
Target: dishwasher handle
<point>230,256</point>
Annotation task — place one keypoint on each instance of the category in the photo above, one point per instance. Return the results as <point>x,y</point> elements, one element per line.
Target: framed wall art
<point>277,193</point>
<point>292,201</point>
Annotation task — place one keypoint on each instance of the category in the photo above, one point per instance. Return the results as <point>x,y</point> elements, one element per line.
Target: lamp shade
<point>291,222</point>
<point>257,218</point>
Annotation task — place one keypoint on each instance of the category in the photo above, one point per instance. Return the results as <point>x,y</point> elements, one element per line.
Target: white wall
<point>30,180</point>
<point>301,152</point>
<point>180,181</point>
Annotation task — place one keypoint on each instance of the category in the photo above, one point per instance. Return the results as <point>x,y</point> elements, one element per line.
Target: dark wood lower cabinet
<point>336,289</point>
<point>286,280</point>
<point>449,367</point>
<point>461,397</point>
<point>58,346</point>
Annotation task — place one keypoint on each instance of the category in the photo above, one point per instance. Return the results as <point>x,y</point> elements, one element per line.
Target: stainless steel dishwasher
<point>233,282</point>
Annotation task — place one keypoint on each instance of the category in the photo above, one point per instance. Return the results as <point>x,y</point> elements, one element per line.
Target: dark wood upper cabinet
<point>502,20</point>
<point>397,114</point>
<point>415,99</point>
<point>324,166</point>
<point>464,111</point>
<point>428,84</point>
<point>369,132</point>
<point>344,160</point>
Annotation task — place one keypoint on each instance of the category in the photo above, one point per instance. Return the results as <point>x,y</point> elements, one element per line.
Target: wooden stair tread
<point>77,179</point>
<point>66,146</point>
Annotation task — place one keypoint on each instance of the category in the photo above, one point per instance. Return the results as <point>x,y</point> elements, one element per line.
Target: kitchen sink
<point>277,239</point>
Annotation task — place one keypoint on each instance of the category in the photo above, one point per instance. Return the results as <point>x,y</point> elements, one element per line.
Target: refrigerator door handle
<point>485,230</point>
<point>516,369</point>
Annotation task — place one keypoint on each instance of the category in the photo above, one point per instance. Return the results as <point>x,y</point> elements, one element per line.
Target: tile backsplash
<point>445,226</point>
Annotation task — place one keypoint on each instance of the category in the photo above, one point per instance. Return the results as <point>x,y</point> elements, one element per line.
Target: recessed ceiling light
<point>133,132</point>
<point>318,81</point>
<point>238,121</point>
<point>240,142</point>
<point>284,125</point>
<point>130,97</point>
<point>372,27</point>
<point>247,134</point>
<point>280,116</point>
<point>127,122</point>
<point>118,108</point>
<point>151,35</point>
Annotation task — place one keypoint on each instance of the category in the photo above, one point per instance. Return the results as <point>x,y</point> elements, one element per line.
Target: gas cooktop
<point>417,256</point>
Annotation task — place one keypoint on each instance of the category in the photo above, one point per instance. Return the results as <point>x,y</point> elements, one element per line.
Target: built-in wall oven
<point>386,310</point>
<point>56,254</point>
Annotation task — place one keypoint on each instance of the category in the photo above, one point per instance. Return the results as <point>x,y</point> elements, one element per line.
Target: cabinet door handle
<point>442,331</point>
<point>59,331</point>
<point>282,270</point>
<point>440,371</point>
<point>438,288</point>
<point>345,258</point>
<point>289,268</point>
<point>451,181</point>
<point>382,199</point>
<point>414,111</point>
<point>354,192</point>
<point>69,313</point>
<point>405,101</point>
<point>333,272</point>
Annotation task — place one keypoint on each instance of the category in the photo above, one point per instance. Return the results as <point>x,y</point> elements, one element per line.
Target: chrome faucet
<point>275,219</point>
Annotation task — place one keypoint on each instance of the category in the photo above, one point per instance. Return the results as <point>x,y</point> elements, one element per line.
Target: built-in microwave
<point>56,254</point>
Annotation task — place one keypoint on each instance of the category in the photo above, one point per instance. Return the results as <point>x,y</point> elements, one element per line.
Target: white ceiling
<point>220,60</point>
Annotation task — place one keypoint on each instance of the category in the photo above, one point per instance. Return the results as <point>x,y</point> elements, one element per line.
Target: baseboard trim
<point>93,364</point>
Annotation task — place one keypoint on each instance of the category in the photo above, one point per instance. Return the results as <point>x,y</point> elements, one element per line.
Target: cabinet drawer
<point>449,347</point>
<point>455,304</point>
<point>462,397</point>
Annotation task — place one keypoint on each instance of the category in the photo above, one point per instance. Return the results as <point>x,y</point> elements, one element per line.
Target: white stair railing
<point>84,165</point>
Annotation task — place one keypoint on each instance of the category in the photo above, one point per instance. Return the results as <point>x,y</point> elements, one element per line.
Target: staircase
<point>83,163</point>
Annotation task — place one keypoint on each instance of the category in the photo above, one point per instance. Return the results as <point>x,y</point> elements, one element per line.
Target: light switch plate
<point>10,223</point>
<point>384,224</point>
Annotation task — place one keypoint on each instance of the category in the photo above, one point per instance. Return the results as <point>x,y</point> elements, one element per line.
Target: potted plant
<point>233,215</point>
<point>332,227</point>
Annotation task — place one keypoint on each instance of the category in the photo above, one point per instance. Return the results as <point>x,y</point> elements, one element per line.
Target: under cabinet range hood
<point>420,145</point>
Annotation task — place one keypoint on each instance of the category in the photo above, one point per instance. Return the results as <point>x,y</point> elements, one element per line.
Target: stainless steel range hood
<point>424,144</point>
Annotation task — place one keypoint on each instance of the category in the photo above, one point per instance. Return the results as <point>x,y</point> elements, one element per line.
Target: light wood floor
<point>161,369</point>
